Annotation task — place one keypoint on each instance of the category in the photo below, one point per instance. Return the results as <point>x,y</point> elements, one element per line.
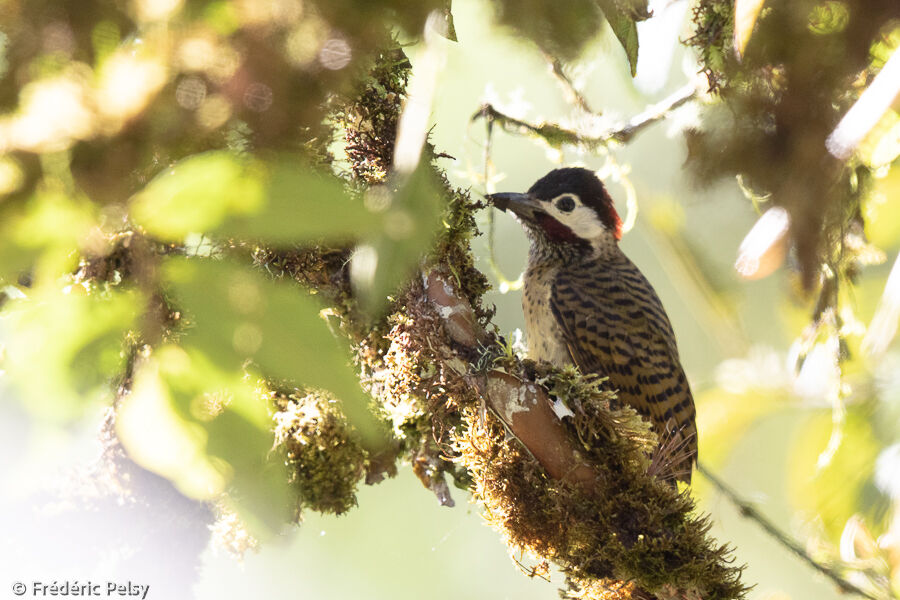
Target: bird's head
<point>567,208</point>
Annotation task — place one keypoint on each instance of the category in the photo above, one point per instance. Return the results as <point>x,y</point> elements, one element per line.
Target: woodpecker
<point>587,304</point>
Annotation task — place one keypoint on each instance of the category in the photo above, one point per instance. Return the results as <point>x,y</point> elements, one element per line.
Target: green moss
<point>713,35</point>
<point>632,528</point>
<point>325,459</point>
<point>369,117</point>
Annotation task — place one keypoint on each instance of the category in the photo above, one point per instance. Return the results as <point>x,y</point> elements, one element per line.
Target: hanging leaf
<point>562,32</point>
<point>623,18</point>
<point>626,32</point>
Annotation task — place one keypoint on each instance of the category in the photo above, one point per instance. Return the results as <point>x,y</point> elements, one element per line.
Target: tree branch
<point>556,136</point>
<point>523,407</point>
<point>573,490</point>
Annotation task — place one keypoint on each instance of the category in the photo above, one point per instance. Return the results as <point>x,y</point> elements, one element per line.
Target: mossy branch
<point>557,136</point>
<point>576,490</point>
<point>523,407</point>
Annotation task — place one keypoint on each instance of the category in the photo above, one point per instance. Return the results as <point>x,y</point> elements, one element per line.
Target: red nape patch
<point>617,230</point>
<point>556,231</point>
<point>611,219</point>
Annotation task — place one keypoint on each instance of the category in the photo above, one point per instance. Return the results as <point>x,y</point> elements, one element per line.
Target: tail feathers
<point>676,454</point>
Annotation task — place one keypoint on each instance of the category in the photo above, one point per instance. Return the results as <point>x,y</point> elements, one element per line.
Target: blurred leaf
<point>882,212</point>
<point>300,204</point>
<point>723,418</point>
<point>196,195</point>
<point>746,12</point>
<point>221,193</point>
<point>235,314</point>
<point>63,348</point>
<point>450,33</point>
<point>562,32</point>
<point>881,146</point>
<point>831,16</point>
<point>207,431</point>
<point>411,219</point>
<point>45,232</point>
<point>845,486</point>
<point>624,26</point>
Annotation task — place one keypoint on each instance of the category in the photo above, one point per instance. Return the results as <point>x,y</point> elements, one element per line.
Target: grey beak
<point>519,204</point>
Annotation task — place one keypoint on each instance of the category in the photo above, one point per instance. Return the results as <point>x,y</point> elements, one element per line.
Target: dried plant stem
<point>748,511</point>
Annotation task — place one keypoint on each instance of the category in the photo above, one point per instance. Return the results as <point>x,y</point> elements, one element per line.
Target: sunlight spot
<point>362,266</point>
<point>305,41</point>
<point>190,93</point>
<point>128,84</point>
<point>258,97</point>
<point>54,114</point>
<point>214,111</point>
<point>247,339</point>
<point>335,54</point>
<point>764,248</point>
<point>399,225</point>
<point>156,10</point>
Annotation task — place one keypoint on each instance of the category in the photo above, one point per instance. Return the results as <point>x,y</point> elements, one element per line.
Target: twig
<point>557,136</point>
<point>656,112</point>
<point>575,96</point>
<point>749,511</point>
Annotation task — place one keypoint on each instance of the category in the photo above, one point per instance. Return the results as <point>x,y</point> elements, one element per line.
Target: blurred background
<point>829,477</point>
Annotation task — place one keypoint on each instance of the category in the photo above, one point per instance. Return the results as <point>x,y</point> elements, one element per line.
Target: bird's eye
<point>566,204</point>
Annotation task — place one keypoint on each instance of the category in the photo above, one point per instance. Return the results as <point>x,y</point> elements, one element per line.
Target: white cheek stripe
<point>582,221</point>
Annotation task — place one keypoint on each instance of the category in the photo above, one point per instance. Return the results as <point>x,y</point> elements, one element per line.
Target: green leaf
<point>43,234</point>
<point>411,220</point>
<point>450,31</point>
<point>624,26</point>
<point>300,204</point>
<point>235,314</point>
<point>196,195</point>
<point>561,31</point>
<point>218,193</point>
<point>64,347</point>
<point>207,431</point>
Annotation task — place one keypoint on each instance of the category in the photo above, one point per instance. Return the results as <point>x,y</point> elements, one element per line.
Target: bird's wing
<point>615,326</point>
